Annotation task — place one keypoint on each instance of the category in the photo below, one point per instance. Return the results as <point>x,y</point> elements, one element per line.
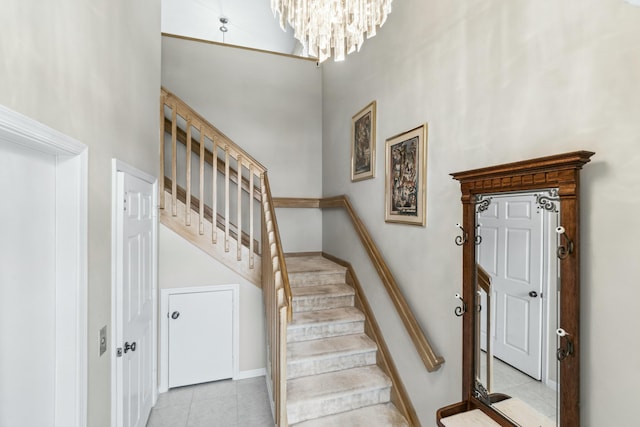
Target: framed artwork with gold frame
<point>363,143</point>
<point>405,192</point>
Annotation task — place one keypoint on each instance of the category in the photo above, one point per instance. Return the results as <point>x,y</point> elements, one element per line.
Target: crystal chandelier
<point>323,25</point>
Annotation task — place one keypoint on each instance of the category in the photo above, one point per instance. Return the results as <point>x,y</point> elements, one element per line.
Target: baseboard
<point>251,373</point>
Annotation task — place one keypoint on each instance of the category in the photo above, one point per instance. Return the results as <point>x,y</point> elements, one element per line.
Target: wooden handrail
<point>484,280</point>
<point>431,360</point>
<point>200,122</point>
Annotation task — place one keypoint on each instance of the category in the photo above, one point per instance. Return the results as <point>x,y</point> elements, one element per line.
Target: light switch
<point>103,340</point>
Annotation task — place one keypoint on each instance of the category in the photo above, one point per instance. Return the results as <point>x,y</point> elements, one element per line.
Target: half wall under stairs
<point>227,256</point>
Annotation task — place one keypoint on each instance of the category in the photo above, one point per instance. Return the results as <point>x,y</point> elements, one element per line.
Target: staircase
<point>327,364</point>
<point>332,376</point>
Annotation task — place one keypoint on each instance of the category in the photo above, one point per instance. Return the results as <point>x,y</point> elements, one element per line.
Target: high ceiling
<point>250,23</point>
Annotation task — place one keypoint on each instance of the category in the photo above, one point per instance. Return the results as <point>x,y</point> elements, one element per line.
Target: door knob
<point>175,315</point>
<point>128,346</point>
<point>533,294</point>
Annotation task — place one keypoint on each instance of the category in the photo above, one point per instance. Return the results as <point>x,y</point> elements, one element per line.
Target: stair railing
<point>278,304</point>
<point>223,157</point>
<point>431,360</point>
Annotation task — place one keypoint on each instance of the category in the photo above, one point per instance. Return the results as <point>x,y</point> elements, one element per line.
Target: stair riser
<point>314,332</point>
<point>336,404</point>
<point>321,303</point>
<point>305,368</point>
<point>316,278</point>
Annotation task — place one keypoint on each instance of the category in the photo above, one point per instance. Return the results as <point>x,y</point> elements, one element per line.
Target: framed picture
<point>405,183</point>
<point>363,143</point>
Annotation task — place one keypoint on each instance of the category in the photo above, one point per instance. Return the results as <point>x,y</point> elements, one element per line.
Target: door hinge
<point>119,352</point>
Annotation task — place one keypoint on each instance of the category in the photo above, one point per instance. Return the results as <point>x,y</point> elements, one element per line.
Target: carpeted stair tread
<point>336,289</point>
<point>340,383</point>
<point>329,354</point>
<point>381,415</point>
<point>322,348</point>
<point>333,315</point>
<point>335,392</point>
<point>322,297</point>
<point>311,264</point>
<point>313,270</point>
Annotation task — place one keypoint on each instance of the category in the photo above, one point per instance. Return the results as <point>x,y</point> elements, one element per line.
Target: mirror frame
<point>558,171</point>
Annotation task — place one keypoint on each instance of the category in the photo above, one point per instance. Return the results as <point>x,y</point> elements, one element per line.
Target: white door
<point>511,252</point>
<point>200,337</point>
<point>135,299</point>
<point>27,287</point>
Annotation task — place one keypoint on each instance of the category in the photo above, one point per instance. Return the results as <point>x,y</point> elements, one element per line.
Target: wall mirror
<point>521,250</point>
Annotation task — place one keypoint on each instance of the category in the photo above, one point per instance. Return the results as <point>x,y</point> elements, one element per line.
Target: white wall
<point>184,265</point>
<point>268,104</point>
<point>498,81</point>
<point>92,71</point>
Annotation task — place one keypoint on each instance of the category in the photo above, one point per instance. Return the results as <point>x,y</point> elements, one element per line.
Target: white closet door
<point>200,337</point>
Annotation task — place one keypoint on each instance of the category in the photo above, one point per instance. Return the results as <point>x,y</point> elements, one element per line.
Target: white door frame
<point>71,221</point>
<point>164,327</point>
<point>116,387</point>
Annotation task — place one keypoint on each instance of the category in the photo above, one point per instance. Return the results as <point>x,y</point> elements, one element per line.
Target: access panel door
<point>200,337</point>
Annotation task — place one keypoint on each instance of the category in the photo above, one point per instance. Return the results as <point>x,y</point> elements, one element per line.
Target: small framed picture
<point>363,143</point>
<point>405,177</point>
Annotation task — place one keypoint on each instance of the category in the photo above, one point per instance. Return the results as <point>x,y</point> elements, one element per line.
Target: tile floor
<point>511,381</point>
<point>242,403</point>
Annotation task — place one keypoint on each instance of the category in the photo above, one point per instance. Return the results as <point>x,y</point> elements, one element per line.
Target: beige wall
<point>499,81</point>
<point>90,69</point>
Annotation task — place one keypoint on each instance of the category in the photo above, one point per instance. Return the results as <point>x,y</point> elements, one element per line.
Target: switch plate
<point>103,340</point>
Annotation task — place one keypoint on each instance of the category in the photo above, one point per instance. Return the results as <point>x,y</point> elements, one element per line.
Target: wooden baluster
<point>162,201</point>
<point>239,206</point>
<point>174,162</point>
<point>201,205</point>
<point>251,219</point>
<point>187,218</point>
<point>214,193</point>
<point>226,198</point>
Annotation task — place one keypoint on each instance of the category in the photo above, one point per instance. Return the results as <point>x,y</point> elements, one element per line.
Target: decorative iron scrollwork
<point>460,310</point>
<point>482,203</point>
<point>566,248</point>
<point>462,239</point>
<point>567,351</point>
<point>548,201</point>
<point>482,394</point>
<point>478,236</point>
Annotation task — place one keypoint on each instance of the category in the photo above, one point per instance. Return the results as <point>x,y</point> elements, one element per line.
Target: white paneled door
<point>135,299</point>
<point>200,337</point>
<point>511,252</point>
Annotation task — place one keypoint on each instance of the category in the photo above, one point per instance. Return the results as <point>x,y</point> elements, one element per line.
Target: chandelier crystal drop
<point>338,25</point>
